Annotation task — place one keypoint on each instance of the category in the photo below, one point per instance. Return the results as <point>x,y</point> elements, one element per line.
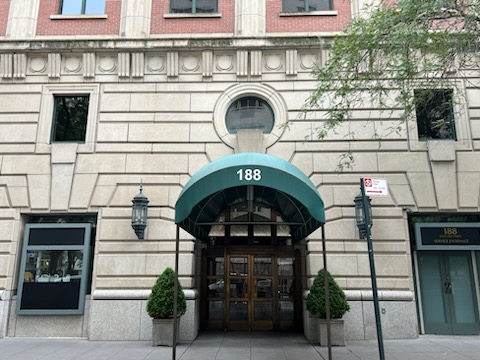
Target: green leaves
<point>160,301</point>
<point>381,58</point>
<point>316,298</point>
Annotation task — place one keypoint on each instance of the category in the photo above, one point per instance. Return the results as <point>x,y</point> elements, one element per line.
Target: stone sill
<point>196,15</point>
<point>77,17</point>
<point>312,13</point>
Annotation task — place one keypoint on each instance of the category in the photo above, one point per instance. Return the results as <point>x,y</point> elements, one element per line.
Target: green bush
<point>160,301</point>
<point>316,299</point>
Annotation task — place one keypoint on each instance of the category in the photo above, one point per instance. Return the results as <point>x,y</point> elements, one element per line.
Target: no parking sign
<point>375,187</point>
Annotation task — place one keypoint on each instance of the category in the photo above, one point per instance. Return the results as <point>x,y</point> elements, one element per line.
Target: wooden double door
<point>245,291</point>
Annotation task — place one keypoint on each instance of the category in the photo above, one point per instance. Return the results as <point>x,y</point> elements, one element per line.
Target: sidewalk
<point>240,346</point>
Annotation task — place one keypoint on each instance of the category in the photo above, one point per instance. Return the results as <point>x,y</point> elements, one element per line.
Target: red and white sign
<point>375,187</point>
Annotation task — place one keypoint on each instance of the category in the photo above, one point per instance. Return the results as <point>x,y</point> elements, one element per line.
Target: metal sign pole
<point>327,293</point>
<point>175,296</point>
<point>376,305</point>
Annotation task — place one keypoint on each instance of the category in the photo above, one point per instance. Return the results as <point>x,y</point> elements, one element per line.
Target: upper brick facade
<point>4,7</point>
<point>307,23</point>
<point>48,26</point>
<point>192,25</point>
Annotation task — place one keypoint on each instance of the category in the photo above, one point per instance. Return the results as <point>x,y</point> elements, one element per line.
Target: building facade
<point>97,97</point>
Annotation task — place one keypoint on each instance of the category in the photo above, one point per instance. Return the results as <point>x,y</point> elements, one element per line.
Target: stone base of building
<point>398,316</point>
<point>122,315</point>
<point>109,315</point>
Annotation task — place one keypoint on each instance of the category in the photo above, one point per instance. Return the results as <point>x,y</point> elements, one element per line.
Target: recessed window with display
<point>54,269</point>
<point>249,113</point>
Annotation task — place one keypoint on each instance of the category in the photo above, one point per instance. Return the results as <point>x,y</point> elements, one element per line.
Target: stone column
<point>135,18</point>
<point>22,19</point>
<point>250,18</point>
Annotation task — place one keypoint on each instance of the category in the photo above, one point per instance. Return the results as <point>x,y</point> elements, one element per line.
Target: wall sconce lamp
<point>140,213</point>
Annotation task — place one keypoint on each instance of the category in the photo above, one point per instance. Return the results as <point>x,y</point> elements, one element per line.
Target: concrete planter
<point>162,332</point>
<point>336,332</point>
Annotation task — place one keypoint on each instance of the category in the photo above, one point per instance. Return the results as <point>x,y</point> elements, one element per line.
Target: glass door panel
<point>448,293</point>
<point>435,317</point>
<point>263,295</point>
<point>462,294</point>
<point>215,292</point>
<point>286,292</point>
<point>238,293</point>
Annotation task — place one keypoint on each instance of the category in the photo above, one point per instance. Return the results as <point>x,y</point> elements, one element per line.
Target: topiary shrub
<point>160,301</point>
<point>316,299</point>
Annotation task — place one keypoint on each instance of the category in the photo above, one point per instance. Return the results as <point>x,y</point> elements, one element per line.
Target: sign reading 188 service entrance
<point>451,236</point>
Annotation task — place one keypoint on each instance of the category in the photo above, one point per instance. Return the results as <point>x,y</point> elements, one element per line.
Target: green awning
<point>224,183</point>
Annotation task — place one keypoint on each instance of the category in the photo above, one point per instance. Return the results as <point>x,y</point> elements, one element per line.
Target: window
<point>55,269</point>
<point>306,5</point>
<point>70,118</point>
<point>193,6</point>
<point>82,7</point>
<point>249,113</point>
<point>434,112</point>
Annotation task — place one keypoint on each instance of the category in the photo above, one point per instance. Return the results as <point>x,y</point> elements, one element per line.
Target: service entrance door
<point>449,303</point>
<point>260,293</point>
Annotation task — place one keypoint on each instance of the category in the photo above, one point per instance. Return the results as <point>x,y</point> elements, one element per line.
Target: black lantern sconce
<point>140,213</point>
<point>363,216</point>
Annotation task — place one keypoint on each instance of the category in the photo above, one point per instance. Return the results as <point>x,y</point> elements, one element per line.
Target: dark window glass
<point>193,6</point>
<point>82,7</point>
<point>56,236</point>
<point>434,111</point>
<point>306,5</point>
<point>70,118</point>
<point>249,113</point>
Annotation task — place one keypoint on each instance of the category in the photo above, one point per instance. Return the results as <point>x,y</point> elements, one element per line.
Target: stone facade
<point>158,98</point>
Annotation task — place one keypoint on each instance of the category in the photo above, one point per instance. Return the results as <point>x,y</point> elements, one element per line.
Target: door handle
<point>448,287</point>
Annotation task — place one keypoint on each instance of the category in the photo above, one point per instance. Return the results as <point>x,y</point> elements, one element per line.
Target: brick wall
<point>4,6</point>
<point>190,25</point>
<point>306,23</point>
<point>109,26</point>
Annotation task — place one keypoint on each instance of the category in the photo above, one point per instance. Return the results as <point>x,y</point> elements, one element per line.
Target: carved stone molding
<point>88,65</point>
<point>207,63</point>
<point>155,64</point>
<point>291,62</point>
<point>172,64</point>
<point>242,63</point>
<point>138,65</point>
<point>38,65</point>
<point>107,64</point>
<point>224,62</point>
<point>54,65</point>
<point>6,66</point>
<point>123,65</point>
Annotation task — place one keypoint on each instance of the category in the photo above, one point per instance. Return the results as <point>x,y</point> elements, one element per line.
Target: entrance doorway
<point>247,290</point>
<point>447,287</point>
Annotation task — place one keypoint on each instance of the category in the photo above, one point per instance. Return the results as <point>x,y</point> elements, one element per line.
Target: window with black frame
<point>54,269</point>
<point>434,114</point>
<point>70,116</point>
<point>295,6</point>
<point>249,112</point>
<point>193,6</point>
<point>82,7</point>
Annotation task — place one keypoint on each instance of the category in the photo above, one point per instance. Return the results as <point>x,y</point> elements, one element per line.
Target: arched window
<point>249,113</point>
